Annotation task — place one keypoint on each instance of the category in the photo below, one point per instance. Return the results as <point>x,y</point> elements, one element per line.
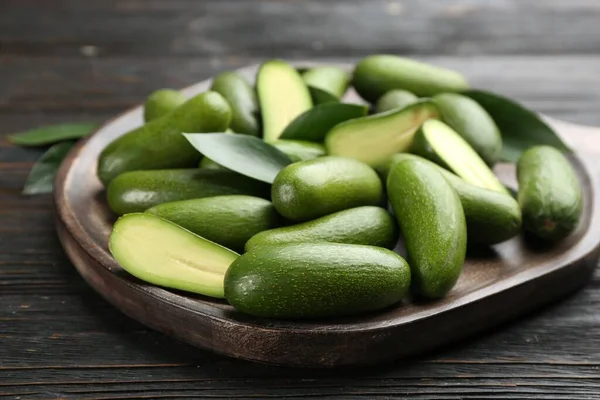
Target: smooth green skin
<point>432,223</point>
<point>394,99</point>
<point>311,189</point>
<point>378,74</point>
<point>550,194</point>
<point>162,102</point>
<point>137,191</point>
<point>159,144</point>
<point>242,98</point>
<point>375,138</point>
<point>282,95</point>
<point>473,123</point>
<point>491,217</point>
<point>366,225</point>
<point>207,163</point>
<point>164,254</point>
<point>227,220</point>
<point>332,80</point>
<point>300,150</point>
<point>316,280</point>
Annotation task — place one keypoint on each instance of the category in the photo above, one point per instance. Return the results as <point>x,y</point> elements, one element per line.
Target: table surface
<point>74,60</point>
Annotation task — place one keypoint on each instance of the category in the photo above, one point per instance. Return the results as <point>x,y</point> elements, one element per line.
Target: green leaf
<point>52,134</point>
<point>245,154</point>
<point>521,128</point>
<point>314,124</point>
<point>41,177</point>
<point>321,96</point>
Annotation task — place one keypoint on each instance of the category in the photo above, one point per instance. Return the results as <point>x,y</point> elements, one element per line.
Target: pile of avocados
<point>317,240</point>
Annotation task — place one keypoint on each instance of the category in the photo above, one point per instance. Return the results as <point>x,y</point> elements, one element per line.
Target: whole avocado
<point>242,99</point>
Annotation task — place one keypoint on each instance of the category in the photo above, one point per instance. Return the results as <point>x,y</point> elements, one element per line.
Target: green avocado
<point>300,150</point>
<point>227,220</point>
<point>164,254</point>
<point>242,99</point>
<point>159,144</point>
<point>492,217</point>
<point>162,102</point>
<point>366,225</point>
<point>326,83</point>
<point>311,189</point>
<point>207,163</point>
<point>375,138</point>
<point>137,191</point>
<point>432,223</point>
<point>550,194</point>
<point>473,123</point>
<point>395,99</point>
<point>439,143</point>
<point>282,95</point>
<point>316,280</point>
<point>376,75</point>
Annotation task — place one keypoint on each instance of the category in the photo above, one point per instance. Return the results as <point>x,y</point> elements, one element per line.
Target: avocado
<point>311,189</point>
<point>300,150</point>
<point>282,95</point>
<point>316,280</point>
<point>326,83</point>
<point>550,194</point>
<point>492,217</point>
<point>161,253</point>
<point>227,220</point>
<point>473,123</point>
<point>159,144</point>
<point>137,191</point>
<point>207,163</point>
<point>394,99</point>
<point>242,99</point>
<point>366,225</point>
<point>439,143</point>
<point>432,223</point>
<point>162,102</point>
<point>375,138</point>
<point>376,75</point>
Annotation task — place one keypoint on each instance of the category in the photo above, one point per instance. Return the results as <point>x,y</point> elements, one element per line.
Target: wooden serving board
<point>508,280</point>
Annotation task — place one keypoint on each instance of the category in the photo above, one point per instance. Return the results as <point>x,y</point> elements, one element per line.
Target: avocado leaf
<point>52,134</point>
<point>41,176</point>
<point>244,154</point>
<point>521,128</point>
<point>321,96</point>
<point>314,124</point>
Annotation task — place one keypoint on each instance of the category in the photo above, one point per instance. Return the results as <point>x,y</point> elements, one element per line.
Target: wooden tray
<point>511,279</point>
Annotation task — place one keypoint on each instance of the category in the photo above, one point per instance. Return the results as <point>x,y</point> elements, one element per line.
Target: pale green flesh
<point>283,96</point>
<point>162,253</point>
<point>375,138</point>
<point>460,157</point>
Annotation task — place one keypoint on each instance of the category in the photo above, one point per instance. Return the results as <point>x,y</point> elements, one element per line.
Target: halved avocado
<point>375,138</point>
<point>441,144</point>
<point>159,252</point>
<point>282,95</point>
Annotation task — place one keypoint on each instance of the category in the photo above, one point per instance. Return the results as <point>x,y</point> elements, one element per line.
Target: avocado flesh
<point>375,138</point>
<point>282,95</point>
<point>164,254</point>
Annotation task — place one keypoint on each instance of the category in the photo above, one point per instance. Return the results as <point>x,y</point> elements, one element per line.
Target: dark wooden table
<point>87,60</point>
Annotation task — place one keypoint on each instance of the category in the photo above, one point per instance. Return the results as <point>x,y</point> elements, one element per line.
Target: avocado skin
<point>227,220</point>
<point>394,99</point>
<point>492,217</point>
<point>473,123</point>
<point>433,225</point>
<point>161,102</point>
<point>316,280</point>
<point>376,75</point>
<point>311,189</point>
<point>550,194</point>
<point>137,191</point>
<point>241,96</point>
<point>333,81</point>
<point>159,144</point>
<point>367,225</point>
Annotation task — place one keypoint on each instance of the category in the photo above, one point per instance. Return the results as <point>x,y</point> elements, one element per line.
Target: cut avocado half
<point>441,144</point>
<point>164,254</point>
<point>282,95</point>
<point>375,138</point>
